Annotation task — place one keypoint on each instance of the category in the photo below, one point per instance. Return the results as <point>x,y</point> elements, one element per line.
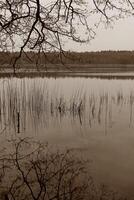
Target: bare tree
<point>37,25</point>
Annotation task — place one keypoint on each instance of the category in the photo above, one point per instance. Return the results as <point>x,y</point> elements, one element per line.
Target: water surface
<point>92,114</point>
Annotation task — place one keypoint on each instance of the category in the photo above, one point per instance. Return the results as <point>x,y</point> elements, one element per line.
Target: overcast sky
<point>120,37</point>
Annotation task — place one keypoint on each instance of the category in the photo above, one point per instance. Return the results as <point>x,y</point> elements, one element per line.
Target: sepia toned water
<point>92,114</point>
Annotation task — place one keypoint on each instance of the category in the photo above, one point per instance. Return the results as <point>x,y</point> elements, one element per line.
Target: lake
<point>92,114</point>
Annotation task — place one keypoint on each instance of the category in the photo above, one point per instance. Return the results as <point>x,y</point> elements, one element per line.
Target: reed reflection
<point>41,103</point>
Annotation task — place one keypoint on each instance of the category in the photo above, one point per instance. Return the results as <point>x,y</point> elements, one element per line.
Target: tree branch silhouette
<point>35,25</point>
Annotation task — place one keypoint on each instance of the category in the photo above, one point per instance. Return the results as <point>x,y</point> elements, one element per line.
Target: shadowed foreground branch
<point>41,174</point>
<point>31,171</point>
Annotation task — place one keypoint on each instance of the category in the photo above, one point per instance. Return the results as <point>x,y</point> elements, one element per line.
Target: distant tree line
<point>102,57</point>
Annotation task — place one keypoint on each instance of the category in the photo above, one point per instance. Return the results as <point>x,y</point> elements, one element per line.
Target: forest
<point>101,57</point>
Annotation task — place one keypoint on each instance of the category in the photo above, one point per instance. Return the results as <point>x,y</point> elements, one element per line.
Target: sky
<point>120,37</point>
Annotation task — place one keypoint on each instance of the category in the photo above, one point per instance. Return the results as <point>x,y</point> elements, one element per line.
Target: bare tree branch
<point>35,25</point>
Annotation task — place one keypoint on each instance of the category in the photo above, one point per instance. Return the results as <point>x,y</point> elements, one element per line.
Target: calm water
<point>94,115</point>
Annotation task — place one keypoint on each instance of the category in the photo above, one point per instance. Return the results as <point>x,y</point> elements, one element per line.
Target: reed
<point>24,102</point>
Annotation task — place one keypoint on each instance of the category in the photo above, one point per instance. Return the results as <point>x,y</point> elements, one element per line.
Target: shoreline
<point>65,74</point>
<point>92,70</point>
